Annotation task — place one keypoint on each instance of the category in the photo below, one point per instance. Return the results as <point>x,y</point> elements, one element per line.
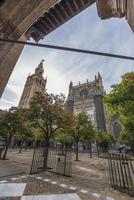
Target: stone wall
<point>111,8</point>
<point>130,13</point>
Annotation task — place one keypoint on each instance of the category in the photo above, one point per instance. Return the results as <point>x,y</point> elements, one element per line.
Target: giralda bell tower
<point>34,83</point>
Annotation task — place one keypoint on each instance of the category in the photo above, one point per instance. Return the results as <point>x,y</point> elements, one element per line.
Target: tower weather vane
<point>42,60</point>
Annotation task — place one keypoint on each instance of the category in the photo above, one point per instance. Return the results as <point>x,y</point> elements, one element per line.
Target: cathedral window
<point>37,80</point>
<point>84,93</point>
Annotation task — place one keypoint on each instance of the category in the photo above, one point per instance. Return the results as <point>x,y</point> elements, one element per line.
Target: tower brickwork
<point>70,99</point>
<point>34,83</point>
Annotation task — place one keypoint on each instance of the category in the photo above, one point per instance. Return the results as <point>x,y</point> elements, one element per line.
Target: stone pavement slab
<point>12,189</point>
<point>52,197</point>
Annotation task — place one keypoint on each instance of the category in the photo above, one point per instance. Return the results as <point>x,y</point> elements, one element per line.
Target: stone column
<point>8,63</point>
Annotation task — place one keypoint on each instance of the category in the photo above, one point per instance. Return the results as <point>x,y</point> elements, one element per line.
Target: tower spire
<point>99,76</point>
<point>70,86</point>
<point>40,70</point>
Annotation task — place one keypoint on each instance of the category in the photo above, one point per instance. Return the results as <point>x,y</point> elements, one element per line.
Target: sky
<point>85,31</point>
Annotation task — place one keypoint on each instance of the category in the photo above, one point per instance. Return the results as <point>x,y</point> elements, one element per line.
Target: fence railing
<point>121,168</point>
<point>58,161</point>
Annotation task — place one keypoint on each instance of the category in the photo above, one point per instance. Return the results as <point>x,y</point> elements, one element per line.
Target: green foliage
<point>121,97</point>
<point>127,138</point>
<point>83,130</point>
<point>47,115</point>
<point>11,124</point>
<point>101,137</point>
<point>36,133</point>
<point>62,136</point>
<point>120,101</point>
<point>89,133</point>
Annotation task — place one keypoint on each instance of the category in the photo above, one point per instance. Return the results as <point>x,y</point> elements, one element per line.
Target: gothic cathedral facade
<point>88,97</point>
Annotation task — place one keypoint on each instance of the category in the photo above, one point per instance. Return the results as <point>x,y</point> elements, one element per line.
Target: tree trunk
<point>77,151</point>
<point>26,147</point>
<point>132,148</point>
<point>83,145</point>
<point>7,146</point>
<point>98,152</point>
<point>45,153</point>
<point>21,146</point>
<point>90,149</point>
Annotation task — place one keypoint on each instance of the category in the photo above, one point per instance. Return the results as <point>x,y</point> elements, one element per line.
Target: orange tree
<point>46,113</point>
<point>11,124</point>
<point>103,140</point>
<point>83,131</point>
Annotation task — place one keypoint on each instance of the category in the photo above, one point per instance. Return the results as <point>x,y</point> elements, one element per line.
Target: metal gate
<point>121,168</point>
<point>59,161</point>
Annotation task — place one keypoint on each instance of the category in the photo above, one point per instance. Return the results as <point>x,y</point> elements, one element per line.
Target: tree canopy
<point>11,124</point>
<point>47,114</point>
<point>62,135</point>
<point>120,101</point>
<point>103,139</point>
<point>82,131</point>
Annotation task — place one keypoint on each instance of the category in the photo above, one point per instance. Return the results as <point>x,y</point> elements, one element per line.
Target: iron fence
<point>121,168</point>
<point>59,160</point>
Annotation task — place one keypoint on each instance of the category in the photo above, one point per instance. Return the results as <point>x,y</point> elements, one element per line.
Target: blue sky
<point>86,31</point>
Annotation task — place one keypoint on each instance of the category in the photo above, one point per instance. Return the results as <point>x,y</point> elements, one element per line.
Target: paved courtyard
<point>39,186</point>
<point>90,179</point>
<point>90,172</point>
<point>10,168</point>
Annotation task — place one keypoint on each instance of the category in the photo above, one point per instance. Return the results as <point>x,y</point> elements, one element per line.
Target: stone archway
<point>15,19</point>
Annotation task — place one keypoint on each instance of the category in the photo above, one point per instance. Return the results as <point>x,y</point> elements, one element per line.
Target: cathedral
<point>88,97</point>
<point>34,83</point>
